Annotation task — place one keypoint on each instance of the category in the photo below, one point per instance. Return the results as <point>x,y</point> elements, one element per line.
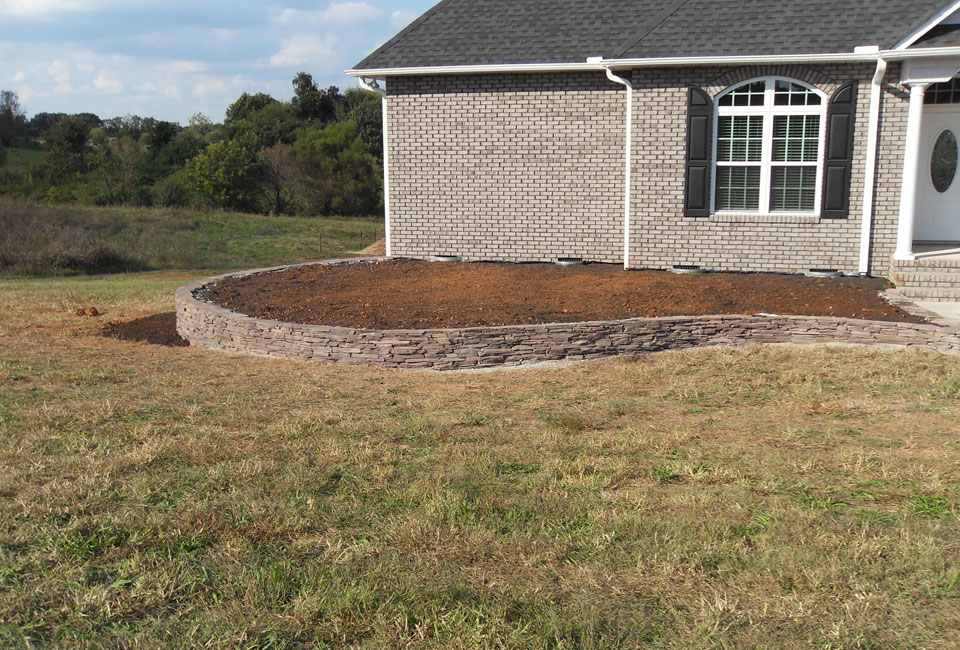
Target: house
<point>745,135</point>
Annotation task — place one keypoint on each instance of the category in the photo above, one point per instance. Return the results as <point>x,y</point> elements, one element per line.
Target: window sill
<point>754,217</point>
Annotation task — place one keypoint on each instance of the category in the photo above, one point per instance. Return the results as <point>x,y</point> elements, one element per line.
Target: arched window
<point>769,147</point>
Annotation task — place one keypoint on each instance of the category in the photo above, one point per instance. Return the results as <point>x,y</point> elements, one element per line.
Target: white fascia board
<point>866,56</point>
<point>944,15</point>
<point>474,69</point>
<point>603,64</point>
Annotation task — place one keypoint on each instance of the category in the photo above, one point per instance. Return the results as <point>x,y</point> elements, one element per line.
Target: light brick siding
<point>508,167</point>
<point>530,168</point>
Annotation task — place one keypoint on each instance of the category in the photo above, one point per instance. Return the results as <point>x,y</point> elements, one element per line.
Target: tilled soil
<point>401,294</point>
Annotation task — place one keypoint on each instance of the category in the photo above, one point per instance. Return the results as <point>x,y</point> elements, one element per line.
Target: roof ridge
<point>406,31</point>
<point>648,27</point>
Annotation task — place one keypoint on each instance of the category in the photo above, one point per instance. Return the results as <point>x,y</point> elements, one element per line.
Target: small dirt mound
<point>88,311</point>
<point>376,249</point>
<point>158,329</point>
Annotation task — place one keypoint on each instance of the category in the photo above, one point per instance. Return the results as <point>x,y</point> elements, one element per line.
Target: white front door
<point>938,185</point>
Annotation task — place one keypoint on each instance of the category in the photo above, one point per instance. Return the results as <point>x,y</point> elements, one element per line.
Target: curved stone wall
<point>207,325</point>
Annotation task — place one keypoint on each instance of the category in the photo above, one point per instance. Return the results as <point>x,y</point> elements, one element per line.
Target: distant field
<point>16,157</point>
<point>161,497</point>
<point>47,239</point>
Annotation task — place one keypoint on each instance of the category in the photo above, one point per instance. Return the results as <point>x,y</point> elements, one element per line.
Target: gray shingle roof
<point>478,32</point>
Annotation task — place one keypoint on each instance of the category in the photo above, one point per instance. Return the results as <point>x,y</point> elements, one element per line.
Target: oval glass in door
<point>943,161</point>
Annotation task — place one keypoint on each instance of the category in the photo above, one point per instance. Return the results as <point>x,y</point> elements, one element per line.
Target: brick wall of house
<point>530,168</point>
<point>507,167</point>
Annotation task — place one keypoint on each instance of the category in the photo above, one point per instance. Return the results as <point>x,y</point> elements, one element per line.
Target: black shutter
<point>838,160</point>
<point>696,200</point>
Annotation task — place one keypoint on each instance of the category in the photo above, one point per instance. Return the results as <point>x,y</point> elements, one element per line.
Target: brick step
<point>933,294</point>
<point>925,263</point>
<point>925,278</point>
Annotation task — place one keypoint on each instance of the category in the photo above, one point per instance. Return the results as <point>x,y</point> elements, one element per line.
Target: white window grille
<point>769,148</point>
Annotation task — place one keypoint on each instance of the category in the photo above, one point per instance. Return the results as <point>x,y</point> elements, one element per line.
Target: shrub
<point>173,191</point>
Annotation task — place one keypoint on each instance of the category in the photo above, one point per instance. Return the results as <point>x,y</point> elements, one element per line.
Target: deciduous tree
<point>278,167</point>
<point>13,119</point>
<point>311,103</point>
<point>225,175</point>
<point>337,173</point>
<point>69,147</point>
<point>246,105</point>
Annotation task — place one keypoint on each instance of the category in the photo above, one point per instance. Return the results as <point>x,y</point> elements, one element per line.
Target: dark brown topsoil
<point>414,294</point>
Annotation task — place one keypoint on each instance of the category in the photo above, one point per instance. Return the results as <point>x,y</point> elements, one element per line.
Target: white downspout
<point>375,87</point>
<point>629,158</point>
<point>870,169</point>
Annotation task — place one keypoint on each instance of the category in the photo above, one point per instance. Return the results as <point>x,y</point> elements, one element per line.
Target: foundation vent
<point>822,273</point>
<point>685,269</point>
<point>569,261</point>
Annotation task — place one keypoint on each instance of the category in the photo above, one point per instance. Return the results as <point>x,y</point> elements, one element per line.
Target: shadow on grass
<point>158,329</point>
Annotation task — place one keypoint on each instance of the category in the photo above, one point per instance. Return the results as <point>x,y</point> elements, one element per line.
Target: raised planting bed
<point>413,314</point>
<point>403,294</point>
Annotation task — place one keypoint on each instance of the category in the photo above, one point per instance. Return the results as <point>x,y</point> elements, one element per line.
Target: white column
<point>911,173</point>
<point>386,176</point>
<point>374,86</point>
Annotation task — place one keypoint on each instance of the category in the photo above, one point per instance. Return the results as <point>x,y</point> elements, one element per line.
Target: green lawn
<point>41,239</point>
<point>156,497</point>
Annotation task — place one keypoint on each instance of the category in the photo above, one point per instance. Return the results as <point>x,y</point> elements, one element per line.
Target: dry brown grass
<point>162,497</point>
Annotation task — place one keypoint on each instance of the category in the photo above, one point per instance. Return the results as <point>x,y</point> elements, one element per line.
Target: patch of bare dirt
<point>376,249</point>
<point>158,329</point>
<point>416,294</point>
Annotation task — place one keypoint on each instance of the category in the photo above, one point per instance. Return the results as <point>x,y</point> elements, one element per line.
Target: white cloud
<point>183,65</point>
<point>342,12</point>
<point>151,89</point>
<point>59,71</point>
<point>107,83</point>
<point>302,49</point>
<point>400,18</point>
<point>209,87</point>
<point>26,93</point>
<point>19,76</point>
<point>34,7</point>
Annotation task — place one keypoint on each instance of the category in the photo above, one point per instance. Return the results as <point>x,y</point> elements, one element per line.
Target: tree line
<point>318,154</point>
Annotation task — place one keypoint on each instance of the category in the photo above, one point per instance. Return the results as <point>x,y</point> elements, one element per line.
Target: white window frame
<point>768,111</point>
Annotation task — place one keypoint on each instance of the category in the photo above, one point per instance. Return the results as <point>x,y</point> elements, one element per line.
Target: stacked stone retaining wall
<point>207,325</point>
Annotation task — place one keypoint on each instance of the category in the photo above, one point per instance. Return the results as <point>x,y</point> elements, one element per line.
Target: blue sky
<point>172,58</point>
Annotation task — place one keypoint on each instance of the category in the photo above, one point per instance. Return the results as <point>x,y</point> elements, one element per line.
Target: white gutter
<point>870,169</point>
<point>600,65</point>
<point>919,52</point>
<point>375,87</point>
<point>629,158</point>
